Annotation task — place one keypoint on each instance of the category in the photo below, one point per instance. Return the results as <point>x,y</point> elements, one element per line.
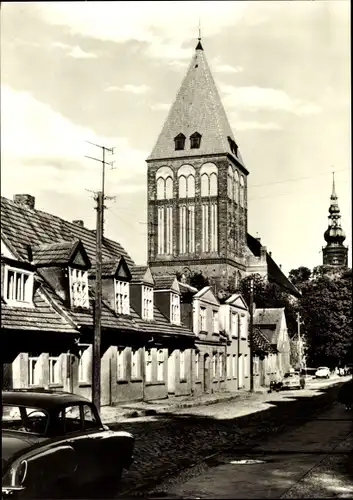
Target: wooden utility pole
<point>251,337</point>
<point>96,361</point>
<point>299,342</point>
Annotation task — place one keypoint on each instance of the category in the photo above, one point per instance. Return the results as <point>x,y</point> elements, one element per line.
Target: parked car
<point>54,444</point>
<point>323,372</point>
<point>293,380</point>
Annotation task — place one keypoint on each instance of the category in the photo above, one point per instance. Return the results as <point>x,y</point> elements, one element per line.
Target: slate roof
<point>54,253</point>
<point>197,108</point>
<point>275,274</point>
<point>23,226</point>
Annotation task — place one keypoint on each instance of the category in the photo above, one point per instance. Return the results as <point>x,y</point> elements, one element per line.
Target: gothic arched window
<point>209,209</point>
<point>169,188</point>
<point>186,175</point>
<point>230,183</point>
<point>160,188</point>
<point>242,192</point>
<point>182,187</point>
<point>164,177</point>
<point>209,182</point>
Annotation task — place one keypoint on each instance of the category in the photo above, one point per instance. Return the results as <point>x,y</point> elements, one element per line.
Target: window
<point>195,140</point>
<point>165,230</point>
<point>215,327</point>
<point>160,365</point>
<point>169,231</point>
<point>164,180</point>
<point>229,366</point>
<point>186,175</point>
<point>221,366</point>
<point>182,365</point>
<point>122,298</point>
<point>121,365</point>
<point>24,419</point>
<point>78,288</point>
<point>236,187</point>
<point>135,364</point>
<point>233,146</point>
<point>205,227</point>
<point>19,287</point>
<point>209,173</point>
<point>242,192</point>
<point>234,366</point>
<point>179,142</point>
<point>214,227</point>
<point>243,328</point>
<point>175,309</point>
<point>148,365</point>
<point>90,420</point>
<point>147,302</point>
<point>55,375</point>
<point>230,183</point>
<point>85,366</point>
<point>203,319</point>
<point>213,184</point>
<point>191,228</point>
<point>214,365</point>
<point>182,187</point>
<point>33,371</point>
<point>197,365</point>
<point>246,365</point>
<point>73,422</point>
<point>234,325</point>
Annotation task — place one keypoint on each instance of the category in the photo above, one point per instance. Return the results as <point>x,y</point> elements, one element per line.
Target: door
<point>171,372</point>
<point>241,371</point>
<point>206,373</point>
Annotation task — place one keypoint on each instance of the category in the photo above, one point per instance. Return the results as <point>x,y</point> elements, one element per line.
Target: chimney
<point>78,222</point>
<point>26,200</point>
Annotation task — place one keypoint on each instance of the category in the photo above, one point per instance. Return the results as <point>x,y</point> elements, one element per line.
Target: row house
<point>47,295</point>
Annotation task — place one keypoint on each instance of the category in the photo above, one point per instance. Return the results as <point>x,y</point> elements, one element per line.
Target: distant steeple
<point>199,46</point>
<point>335,253</point>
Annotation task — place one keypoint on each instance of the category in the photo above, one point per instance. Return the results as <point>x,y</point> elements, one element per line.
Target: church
<point>197,192</point>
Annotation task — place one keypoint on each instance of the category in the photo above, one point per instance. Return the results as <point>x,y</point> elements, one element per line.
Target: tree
<point>326,311</point>
<point>300,275</point>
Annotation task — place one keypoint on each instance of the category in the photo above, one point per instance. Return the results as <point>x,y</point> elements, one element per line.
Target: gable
<point>175,286</point>
<point>79,256</point>
<point>206,295</point>
<point>148,278</point>
<point>123,271</point>
<point>237,301</point>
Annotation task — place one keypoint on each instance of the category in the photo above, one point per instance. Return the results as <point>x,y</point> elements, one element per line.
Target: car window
<point>89,418</point>
<point>73,422</point>
<point>24,419</point>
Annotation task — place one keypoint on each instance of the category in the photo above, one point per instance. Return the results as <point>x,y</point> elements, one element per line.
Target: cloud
<point>253,125</point>
<point>39,143</point>
<point>258,98</point>
<point>226,68</point>
<point>128,87</point>
<point>160,106</point>
<point>75,52</point>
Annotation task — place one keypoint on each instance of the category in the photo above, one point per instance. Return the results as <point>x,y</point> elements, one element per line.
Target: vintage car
<point>322,372</point>
<point>54,444</point>
<point>293,380</point>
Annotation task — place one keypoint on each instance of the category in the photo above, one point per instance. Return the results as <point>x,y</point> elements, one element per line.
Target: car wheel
<point>110,485</point>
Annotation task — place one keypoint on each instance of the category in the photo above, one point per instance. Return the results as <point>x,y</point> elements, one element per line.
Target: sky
<point>108,72</point>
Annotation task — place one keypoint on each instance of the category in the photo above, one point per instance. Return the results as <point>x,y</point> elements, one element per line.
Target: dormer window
<point>122,297</point>
<point>175,309</point>
<point>147,302</point>
<point>78,288</point>
<point>18,287</point>
<point>179,141</point>
<point>195,140</point>
<point>233,146</point>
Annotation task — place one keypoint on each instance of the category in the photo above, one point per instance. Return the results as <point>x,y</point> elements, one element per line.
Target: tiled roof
<point>138,273</point>
<point>274,272</point>
<point>109,268</point>
<point>54,253</point>
<point>23,226</point>
<point>197,108</point>
<point>160,325</point>
<point>268,316</point>
<point>42,317</point>
<point>261,342</point>
<point>163,282</point>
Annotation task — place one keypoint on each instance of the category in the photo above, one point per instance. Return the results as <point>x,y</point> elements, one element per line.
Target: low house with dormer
<point>272,324</point>
<point>48,297</point>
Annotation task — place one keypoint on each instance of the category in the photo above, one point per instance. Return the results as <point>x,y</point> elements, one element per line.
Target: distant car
<point>54,444</point>
<point>293,380</point>
<point>322,372</point>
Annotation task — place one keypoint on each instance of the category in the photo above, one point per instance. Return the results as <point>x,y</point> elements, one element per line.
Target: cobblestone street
<point>168,442</point>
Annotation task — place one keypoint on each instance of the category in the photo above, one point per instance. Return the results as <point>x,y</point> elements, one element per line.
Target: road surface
<point>311,460</point>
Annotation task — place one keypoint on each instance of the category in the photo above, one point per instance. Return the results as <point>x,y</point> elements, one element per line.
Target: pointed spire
<point>333,195</point>
<point>199,46</point>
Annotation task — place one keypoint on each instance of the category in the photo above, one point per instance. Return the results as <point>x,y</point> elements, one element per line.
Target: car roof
<point>48,400</point>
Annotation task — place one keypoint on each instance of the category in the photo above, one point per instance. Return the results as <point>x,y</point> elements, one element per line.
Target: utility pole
<point>96,361</point>
<point>251,337</point>
<point>299,342</point>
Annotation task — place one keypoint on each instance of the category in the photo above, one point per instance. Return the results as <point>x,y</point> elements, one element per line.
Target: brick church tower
<point>197,186</point>
<point>335,253</point>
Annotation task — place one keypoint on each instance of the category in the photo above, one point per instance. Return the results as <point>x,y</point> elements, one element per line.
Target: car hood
<point>14,443</point>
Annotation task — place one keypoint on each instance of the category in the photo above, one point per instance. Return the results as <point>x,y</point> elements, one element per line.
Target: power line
<point>295,179</point>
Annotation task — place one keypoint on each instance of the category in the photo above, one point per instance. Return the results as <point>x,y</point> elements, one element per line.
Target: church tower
<point>335,253</point>
<point>197,185</point>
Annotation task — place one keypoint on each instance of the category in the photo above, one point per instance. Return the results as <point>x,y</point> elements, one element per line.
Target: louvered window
<point>19,287</point>
<point>78,288</point>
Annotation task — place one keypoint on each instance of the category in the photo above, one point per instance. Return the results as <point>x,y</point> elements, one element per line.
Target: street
<point>170,444</point>
<point>309,461</point>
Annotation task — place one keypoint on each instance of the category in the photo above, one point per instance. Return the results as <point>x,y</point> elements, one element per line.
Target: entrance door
<point>171,372</point>
<point>206,373</point>
<point>241,371</point>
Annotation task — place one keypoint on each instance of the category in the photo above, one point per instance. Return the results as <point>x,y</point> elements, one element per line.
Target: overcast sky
<point>108,73</point>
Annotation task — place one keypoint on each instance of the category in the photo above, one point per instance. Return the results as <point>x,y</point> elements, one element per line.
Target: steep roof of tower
<point>197,108</point>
